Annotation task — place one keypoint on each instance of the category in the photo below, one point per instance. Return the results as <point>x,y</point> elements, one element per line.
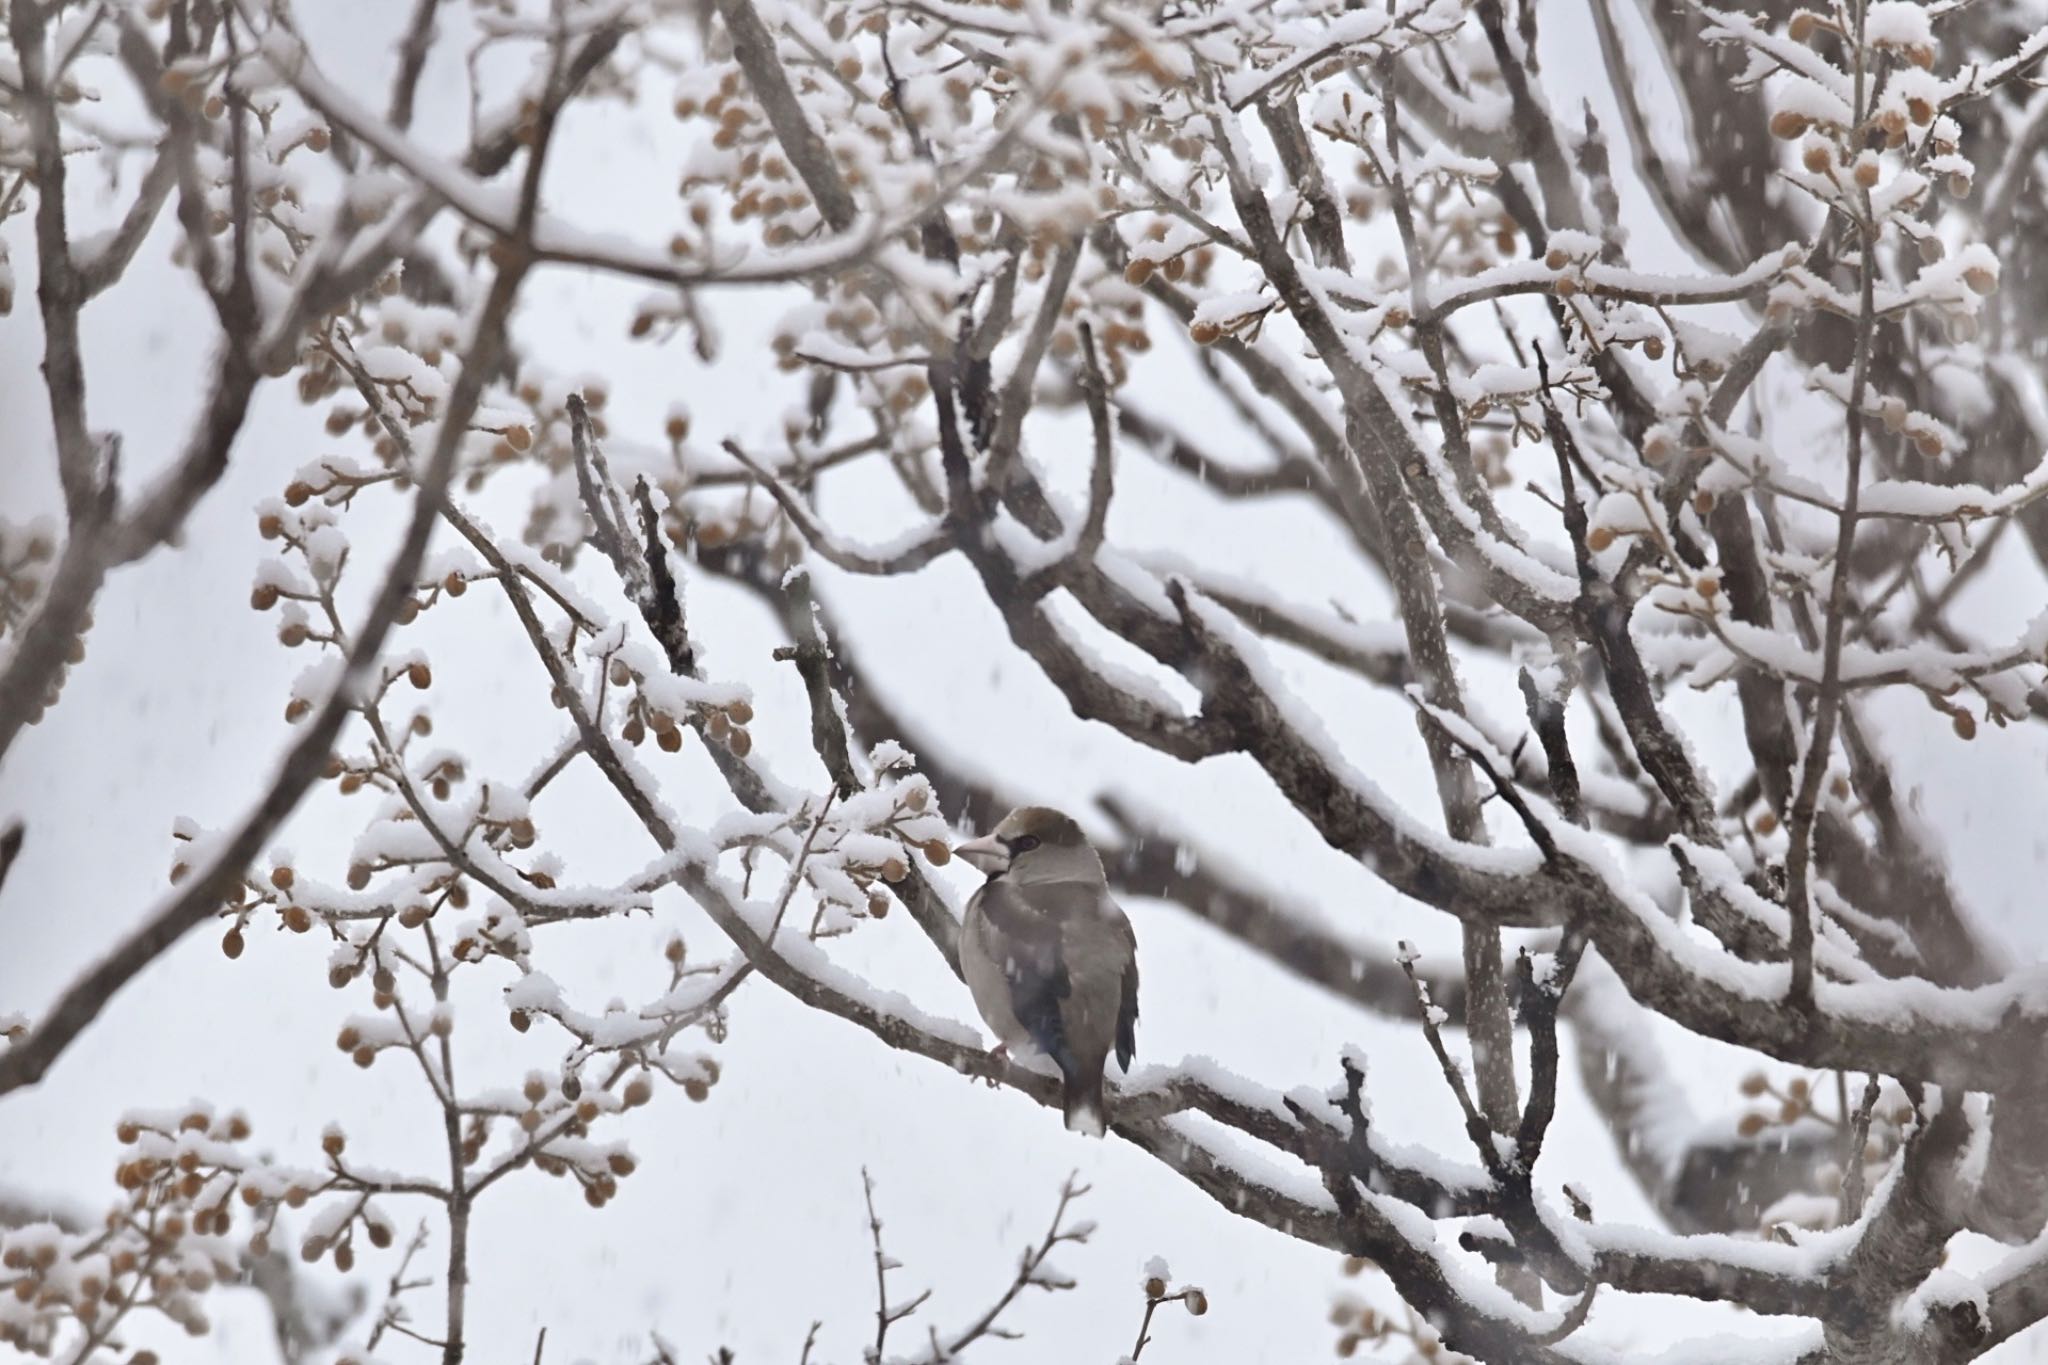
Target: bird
<point>1049,958</point>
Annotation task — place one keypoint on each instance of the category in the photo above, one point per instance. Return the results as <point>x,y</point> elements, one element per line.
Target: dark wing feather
<point>1034,965</point>
<point>1127,1017</point>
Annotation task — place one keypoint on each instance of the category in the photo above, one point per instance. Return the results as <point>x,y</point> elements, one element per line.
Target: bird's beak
<point>986,853</point>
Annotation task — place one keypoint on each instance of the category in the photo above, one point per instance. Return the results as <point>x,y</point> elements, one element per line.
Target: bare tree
<point>1759,456</point>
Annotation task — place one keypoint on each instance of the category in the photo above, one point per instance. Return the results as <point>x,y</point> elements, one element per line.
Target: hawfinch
<point>1050,958</point>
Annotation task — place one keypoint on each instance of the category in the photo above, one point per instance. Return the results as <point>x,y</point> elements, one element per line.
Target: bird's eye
<point>1024,844</point>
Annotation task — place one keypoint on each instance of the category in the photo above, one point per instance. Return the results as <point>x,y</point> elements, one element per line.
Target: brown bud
<point>535,1089</point>
<point>740,742</point>
<point>263,597</point>
<point>1965,725</point>
<point>895,869</point>
<point>741,712</point>
<point>1137,272</point>
<point>670,740</point>
<point>521,1021</point>
<point>1599,538</point>
<point>379,1234</point>
<point>696,1090</point>
<point>637,1092</point>
<point>297,492</point>
<point>1787,125</point>
<point>1816,158</point>
<point>364,1056</point>
<point>232,944</point>
<point>1752,1123</point>
<point>675,951</point>
<point>358,876</point>
<point>333,1142</point>
<point>936,852</point>
<point>1155,1288</point>
<point>1981,279</point>
<point>1197,1302</point>
<point>1205,333</point>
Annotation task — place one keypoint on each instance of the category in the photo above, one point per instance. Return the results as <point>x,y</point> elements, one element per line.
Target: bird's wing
<point>1127,1011</point>
<point>1100,954</point>
<point>1028,928</point>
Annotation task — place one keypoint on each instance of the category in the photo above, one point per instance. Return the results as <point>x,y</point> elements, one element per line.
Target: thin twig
<point>1852,1157</point>
<point>886,1316</point>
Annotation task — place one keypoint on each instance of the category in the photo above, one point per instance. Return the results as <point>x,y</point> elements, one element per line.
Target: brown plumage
<point>1050,958</point>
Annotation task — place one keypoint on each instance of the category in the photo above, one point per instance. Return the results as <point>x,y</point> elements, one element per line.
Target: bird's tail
<point>1081,1094</point>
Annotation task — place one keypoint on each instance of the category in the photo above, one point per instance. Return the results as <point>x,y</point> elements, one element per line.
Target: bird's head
<point>1035,844</point>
